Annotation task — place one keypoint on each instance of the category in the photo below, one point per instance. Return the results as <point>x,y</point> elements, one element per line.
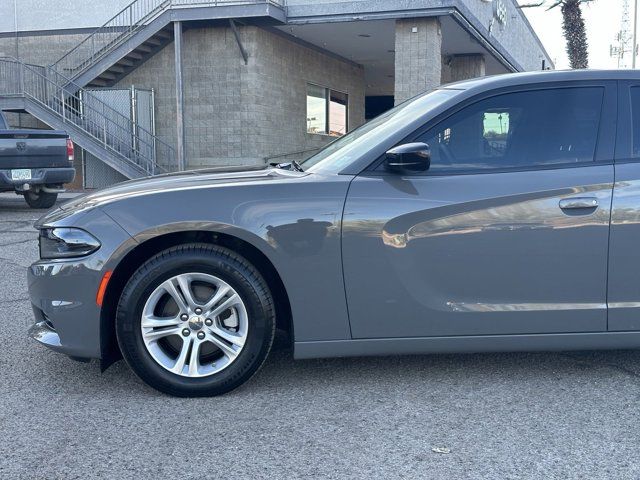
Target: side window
<point>518,130</point>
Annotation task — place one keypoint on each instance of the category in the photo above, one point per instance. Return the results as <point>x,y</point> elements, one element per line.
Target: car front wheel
<point>195,320</point>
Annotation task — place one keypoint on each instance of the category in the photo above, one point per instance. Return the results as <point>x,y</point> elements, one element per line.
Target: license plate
<point>21,174</point>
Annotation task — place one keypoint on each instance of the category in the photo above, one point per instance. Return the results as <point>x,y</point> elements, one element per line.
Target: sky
<point>603,20</point>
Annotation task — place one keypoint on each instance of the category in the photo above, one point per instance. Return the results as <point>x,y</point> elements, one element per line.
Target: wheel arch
<point>146,249</point>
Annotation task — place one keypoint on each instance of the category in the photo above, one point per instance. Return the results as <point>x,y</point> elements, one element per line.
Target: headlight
<point>66,243</point>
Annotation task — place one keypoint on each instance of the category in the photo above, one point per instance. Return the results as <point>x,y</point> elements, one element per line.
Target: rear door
<point>624,249</point>
<point>507,233</point>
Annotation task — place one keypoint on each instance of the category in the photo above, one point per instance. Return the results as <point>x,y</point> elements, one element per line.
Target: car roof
<point>523,78</point>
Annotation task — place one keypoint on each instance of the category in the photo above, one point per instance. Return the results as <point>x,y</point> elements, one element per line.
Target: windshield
<point>340,153</point>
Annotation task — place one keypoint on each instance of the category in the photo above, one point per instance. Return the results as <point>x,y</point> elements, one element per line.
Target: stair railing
<point>53,88</point>
<point>124,24</point>
<point>132,145</point>
<point>116,30</point>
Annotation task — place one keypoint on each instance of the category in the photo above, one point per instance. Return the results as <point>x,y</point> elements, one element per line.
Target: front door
<point>506,233</point>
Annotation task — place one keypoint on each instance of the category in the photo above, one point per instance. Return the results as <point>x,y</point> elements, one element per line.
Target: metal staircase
<point>139,31</point>
<point>91,123</point>
<point>121,45</point>
<point>55,94</point>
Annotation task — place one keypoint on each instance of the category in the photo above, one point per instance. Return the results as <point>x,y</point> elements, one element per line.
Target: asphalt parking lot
<point>502,416</point>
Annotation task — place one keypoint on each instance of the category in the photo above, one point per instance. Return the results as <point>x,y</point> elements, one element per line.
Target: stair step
<point>107,75</point>
<point>156,42</point>
<point>125,63</point>
<point>134,55</point>
<point>121,42</point>
<point>166,34</point>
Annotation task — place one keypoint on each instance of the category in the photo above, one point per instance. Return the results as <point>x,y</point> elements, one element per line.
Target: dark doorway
<point>376,105</point>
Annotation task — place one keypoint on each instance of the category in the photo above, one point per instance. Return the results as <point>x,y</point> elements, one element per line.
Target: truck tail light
<point>69,149</point>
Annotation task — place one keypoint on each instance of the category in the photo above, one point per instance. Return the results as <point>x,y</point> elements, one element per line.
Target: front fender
<point>296,226</point>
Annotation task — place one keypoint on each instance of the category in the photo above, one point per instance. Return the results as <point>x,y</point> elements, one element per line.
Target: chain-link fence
<point>136,104</point>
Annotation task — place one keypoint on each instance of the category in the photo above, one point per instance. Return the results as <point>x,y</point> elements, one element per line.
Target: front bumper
<point>44,333</point>
<point>63,300</point>
<point>39,176</point>
<point>63,292</point>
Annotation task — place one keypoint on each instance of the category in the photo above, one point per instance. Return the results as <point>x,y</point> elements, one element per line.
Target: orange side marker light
<point>103,287</point>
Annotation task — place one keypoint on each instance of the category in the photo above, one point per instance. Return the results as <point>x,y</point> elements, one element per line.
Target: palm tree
<point>573,28</point>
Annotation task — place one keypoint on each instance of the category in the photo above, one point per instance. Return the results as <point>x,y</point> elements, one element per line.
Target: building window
<point>327,111</point>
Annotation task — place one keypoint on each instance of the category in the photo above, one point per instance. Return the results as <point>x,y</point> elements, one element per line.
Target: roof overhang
<point>459,10</point>
<point>368,37</point>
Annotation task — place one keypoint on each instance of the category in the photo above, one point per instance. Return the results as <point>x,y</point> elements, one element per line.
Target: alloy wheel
<point>194,324</point>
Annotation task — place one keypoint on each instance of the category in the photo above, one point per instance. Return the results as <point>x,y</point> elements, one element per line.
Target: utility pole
<point>625,41</point>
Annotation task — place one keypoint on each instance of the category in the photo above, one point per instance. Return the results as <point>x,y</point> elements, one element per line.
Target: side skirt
<point>468,344</point>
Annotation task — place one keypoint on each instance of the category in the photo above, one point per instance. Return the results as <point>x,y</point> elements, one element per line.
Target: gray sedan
<point>490,215</point>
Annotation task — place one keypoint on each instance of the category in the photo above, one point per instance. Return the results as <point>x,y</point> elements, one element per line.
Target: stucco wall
<point>56,14</point>
<point>39,49</point>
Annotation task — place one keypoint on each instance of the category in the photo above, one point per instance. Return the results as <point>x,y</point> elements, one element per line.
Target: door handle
<point>578,203</point>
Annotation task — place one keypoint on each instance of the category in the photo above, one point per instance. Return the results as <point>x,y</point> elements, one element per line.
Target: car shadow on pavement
<point>282,375</point>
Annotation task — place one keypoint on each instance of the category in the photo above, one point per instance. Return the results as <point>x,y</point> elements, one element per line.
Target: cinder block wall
<point>279,71</point>
<point>24,120</point>
<point>418,58</point>
<point>237,114</point>
<point>216,112</point>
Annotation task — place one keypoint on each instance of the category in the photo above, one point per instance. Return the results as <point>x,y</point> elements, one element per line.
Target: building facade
<point>244,82</point>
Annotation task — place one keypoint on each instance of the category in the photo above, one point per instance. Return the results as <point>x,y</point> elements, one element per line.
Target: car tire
<point>148,290</point>
<point>40,199</point>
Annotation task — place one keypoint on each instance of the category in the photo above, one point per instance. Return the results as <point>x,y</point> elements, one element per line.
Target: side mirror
<point>410,157</point>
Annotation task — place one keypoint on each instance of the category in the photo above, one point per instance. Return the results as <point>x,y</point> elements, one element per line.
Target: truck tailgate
<point>33,149</point>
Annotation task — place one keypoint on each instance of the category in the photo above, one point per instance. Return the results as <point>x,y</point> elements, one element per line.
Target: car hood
<point>192,179</point>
